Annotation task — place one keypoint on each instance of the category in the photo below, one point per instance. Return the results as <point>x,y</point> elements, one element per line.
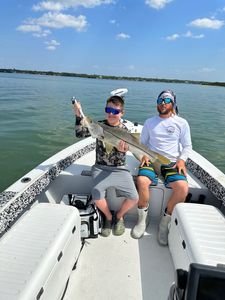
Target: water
<point>36,117</point>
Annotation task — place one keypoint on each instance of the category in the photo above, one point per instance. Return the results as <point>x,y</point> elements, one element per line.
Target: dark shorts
<point>169,174</point>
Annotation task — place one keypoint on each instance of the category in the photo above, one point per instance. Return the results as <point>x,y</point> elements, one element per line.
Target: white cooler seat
<point>197,235</point>
<point>37,255</point>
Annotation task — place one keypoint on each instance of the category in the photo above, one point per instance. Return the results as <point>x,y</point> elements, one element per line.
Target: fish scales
<point>112,135</point>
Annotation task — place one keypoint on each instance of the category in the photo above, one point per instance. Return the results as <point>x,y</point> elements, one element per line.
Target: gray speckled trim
<point>12,211</point>
<point>5,197</point>
<point>212,184</point>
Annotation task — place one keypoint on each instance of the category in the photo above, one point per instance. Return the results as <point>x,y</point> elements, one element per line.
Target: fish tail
<point>163,160</point>
<point>157,166</point>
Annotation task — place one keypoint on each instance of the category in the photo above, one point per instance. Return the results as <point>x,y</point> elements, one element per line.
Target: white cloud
<point>65,4</point>
<point>198,36</point>
<point>52,45</point>
<point>206,70</point>
<point>48,5</point>
<point>56,19</point>
<point>173,37</point>
<point>114,23</point>
<point>51,48</point>
<point>122,36</point>
<point>36,29</point>
<point>29,28</point>
<point>207,23</point>
<point>59,20</point>
<point>40,27</point>
<point>157,4</point>
<point>43,33</point>
<point>189,34</point>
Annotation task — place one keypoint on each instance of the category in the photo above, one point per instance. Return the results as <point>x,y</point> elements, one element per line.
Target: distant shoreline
<point>95,76</point>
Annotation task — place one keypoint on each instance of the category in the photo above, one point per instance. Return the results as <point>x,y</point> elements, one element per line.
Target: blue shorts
<point>169,174</point>
<point>148,171</point>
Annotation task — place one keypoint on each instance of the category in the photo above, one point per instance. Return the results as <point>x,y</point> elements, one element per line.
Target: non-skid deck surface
<point>122,268</point>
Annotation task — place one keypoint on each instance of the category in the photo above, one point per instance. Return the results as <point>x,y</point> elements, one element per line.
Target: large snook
<point>112,135</point>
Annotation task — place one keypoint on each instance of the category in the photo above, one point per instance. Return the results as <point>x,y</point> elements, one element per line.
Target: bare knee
<point>143,182</point>
<point>135,201</point>
<point>180,188</point>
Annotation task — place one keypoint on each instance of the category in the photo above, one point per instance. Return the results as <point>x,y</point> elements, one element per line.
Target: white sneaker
<point>164,230</point>
<point>142,223</point>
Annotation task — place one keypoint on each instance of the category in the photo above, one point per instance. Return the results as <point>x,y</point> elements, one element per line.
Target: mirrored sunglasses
<point>112,110</point>
<point>165,100</point>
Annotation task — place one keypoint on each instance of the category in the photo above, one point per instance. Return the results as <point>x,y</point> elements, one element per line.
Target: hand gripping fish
<point>112,135</point>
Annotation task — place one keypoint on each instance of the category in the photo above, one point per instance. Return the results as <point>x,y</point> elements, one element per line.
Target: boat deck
<point>122,268</point>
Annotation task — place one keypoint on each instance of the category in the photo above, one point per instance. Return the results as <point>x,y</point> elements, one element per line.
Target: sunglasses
<point>112,110</point>
<point>165,100</point>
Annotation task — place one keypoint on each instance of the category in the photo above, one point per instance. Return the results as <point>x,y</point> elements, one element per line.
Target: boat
<point>44,253</point>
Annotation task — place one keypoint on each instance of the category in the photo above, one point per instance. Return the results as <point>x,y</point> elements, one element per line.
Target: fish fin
<point>83,123</point>
<point>163,160</point>
<point>108,147</point>
<point>157,167</point>
<point>136,136</point>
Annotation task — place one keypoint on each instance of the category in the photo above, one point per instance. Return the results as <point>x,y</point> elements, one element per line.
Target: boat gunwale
<point>13,203</point>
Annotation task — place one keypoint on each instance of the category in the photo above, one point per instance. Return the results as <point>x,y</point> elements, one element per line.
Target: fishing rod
<point>74,100</point>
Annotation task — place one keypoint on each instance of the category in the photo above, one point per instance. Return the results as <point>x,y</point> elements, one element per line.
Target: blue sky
<point>182,39</point>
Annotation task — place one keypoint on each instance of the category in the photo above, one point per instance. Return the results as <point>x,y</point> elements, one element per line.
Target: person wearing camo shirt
<point>109,168</point>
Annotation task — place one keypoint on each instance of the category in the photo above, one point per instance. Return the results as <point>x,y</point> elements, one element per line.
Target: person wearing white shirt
<point>169,135</point>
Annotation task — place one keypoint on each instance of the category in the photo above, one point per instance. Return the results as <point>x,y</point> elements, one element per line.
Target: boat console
<point>200,282</point>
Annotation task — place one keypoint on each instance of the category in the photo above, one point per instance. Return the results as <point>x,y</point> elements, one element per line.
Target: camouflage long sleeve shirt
<point>103,157</point>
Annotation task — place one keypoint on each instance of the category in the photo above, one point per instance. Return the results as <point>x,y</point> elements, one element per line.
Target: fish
<point>112,135</point>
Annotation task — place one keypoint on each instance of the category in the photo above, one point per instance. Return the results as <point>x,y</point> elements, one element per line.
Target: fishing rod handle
<point>74,100</point>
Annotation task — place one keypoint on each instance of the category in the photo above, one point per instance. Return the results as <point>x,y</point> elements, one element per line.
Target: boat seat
<point>197,235</point>
<point>192,180</point>
<point>38,253</point>
<point>159,194</point>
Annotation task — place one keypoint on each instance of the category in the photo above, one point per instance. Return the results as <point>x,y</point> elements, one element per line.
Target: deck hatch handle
<point>60,256</point>
<point>40,293</point>
<point>184,244</point>
<point>176,222</point>
<point>74,229</point>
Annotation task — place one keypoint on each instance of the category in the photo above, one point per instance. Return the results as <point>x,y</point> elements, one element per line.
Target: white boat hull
<point>119,267</point>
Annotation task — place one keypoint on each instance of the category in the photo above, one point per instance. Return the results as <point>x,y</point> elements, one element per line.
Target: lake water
<point>36,117</point>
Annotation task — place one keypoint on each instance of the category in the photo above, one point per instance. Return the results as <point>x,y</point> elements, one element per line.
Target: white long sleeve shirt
<point>170,137</point>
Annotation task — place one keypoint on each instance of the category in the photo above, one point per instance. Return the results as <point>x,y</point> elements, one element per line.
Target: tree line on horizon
<point>96,76</point>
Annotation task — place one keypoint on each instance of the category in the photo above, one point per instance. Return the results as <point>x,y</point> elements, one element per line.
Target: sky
<point>174,39</point>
